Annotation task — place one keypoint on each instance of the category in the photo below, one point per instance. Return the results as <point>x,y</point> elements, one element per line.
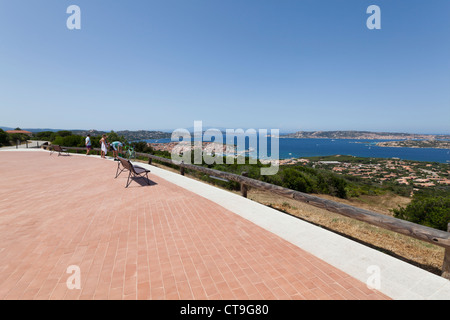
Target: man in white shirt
<point>88,144</point>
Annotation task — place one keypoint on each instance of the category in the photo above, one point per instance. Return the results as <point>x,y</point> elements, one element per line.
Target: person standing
<point>104,146</point>
<point>88,144</point>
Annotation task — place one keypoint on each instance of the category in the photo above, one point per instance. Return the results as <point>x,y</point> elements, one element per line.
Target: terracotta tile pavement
<point>145,242</point>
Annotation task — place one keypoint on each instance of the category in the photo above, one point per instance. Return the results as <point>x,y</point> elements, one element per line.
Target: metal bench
<point>59,149</point>
<point>134,170</point>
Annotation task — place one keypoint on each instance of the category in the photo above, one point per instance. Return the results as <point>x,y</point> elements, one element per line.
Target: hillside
<point>439,144</point>
<point>128,135</point>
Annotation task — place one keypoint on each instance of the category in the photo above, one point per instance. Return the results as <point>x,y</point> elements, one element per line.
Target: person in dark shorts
<point>88,144</point>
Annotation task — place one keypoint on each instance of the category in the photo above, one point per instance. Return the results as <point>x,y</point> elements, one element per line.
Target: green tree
<point>295,180</point>
<point>430,211</point>
<point>19,137</point>
<point>74,141</point>
<point>45,136</point>
<point>113,136</point>
<point>4,138</point>
<point>69,141</point>
<point>338,186</point>
<point>142,147</point>
<point>64,133</point>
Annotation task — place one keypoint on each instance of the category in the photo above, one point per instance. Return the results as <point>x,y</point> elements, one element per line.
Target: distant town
<point>364,135</point>
<point>404,172</point>
<point>437,144</point>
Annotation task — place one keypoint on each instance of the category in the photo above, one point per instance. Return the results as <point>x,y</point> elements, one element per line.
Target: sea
<point>299,148</point>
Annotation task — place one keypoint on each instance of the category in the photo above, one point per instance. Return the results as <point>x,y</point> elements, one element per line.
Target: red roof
<point>18,131</point>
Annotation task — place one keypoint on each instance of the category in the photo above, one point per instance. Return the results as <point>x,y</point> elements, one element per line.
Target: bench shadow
<point>136,182</point>
<point>60,155</point>
<point>143,182</point>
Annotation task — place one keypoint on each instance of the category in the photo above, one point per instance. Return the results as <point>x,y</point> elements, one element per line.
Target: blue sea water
<point>298,148</point>
<point>321,147</point>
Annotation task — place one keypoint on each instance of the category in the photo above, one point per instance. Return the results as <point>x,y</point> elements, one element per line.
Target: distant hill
<point>34,130</point>
<point>129,135</point>
<point>144,135</point>
<point>364,135</point>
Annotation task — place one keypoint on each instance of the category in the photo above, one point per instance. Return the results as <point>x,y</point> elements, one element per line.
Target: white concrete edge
<point>398,279</point>
<point>12,149</point>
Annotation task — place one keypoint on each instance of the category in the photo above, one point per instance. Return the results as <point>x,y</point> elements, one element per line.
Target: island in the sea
<point>436,144</point>
<point>364,135</point>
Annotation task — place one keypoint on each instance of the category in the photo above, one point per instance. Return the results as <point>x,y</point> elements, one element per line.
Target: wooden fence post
<point>244,188</point>
<point>446,265</point>
<point>182,168</point>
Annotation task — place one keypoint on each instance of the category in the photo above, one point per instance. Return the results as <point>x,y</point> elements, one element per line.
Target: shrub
<point>295,180</point>
<point>64,133</point>
<point>433,212</point>
<point>142,147</point>
<point>69,141</point>
<point>45,136</point>
<point>59,141</point>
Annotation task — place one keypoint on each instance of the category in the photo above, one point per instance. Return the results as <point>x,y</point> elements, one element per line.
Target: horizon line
<point>224,128</point>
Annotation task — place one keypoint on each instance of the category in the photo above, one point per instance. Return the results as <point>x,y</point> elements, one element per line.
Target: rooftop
<point>19,131</point>
<point>174,239</point>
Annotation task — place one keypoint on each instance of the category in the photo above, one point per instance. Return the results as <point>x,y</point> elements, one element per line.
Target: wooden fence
<point>420,232</point>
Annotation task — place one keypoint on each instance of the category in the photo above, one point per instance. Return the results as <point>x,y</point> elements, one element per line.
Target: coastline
<point>416,144</point>
<point>294,148</point>
<point>364,135</point>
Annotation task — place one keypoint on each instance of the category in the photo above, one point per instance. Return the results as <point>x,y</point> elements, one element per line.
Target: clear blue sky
<point>286,64</point>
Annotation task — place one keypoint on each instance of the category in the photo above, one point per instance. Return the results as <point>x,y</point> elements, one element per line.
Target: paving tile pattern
<point>157,242</point>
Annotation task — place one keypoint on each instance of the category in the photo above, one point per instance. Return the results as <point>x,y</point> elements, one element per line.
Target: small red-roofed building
<point>20,131</point>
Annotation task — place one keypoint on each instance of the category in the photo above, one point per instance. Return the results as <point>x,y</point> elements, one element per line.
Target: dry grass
<point>416,252</point>
<point>419,253</point>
